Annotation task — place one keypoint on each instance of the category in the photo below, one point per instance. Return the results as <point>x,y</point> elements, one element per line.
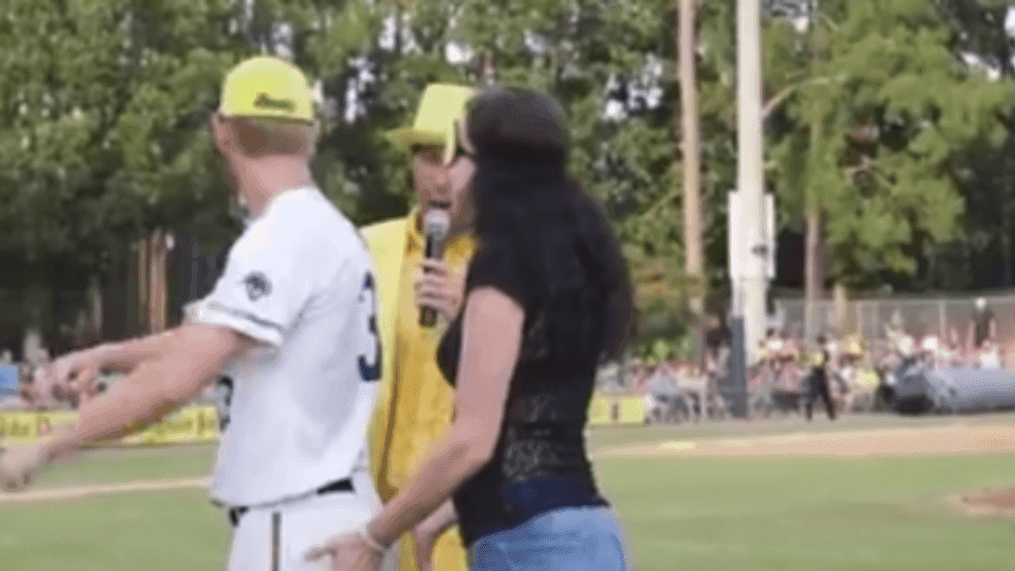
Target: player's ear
<point>314,138</point>
<point>221,132</point>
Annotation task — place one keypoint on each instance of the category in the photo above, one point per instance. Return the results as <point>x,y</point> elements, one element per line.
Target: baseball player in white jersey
<point>291,322</point>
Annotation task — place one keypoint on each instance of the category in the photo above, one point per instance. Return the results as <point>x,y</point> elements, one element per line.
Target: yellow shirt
<point>415,403</point>
<point>421,394</point>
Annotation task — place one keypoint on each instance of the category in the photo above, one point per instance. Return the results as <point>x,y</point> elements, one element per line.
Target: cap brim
<point>408,137</point>
<point>283,117</point>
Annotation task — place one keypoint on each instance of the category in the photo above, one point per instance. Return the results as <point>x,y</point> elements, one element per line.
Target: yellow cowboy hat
<point>441,106</point>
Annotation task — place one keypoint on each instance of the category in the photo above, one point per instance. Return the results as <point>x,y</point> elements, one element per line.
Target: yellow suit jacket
<point>387,244</point>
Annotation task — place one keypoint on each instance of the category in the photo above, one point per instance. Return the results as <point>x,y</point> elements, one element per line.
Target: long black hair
<point>558,241</point>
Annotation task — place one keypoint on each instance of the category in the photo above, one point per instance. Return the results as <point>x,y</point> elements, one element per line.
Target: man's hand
<point>74,373</point>
<point>438,288</point>
<point>348,552</point>
<point>19,464</point>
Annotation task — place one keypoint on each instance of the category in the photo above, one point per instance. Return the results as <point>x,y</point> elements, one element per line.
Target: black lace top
<point>540,462</point>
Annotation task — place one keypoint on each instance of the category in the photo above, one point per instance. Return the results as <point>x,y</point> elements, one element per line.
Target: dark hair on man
<point>539,224</point>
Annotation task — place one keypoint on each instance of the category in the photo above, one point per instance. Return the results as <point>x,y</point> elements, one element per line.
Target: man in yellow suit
<point>415,402</point>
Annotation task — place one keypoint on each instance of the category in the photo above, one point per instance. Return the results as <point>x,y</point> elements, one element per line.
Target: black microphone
<point>435,226</point>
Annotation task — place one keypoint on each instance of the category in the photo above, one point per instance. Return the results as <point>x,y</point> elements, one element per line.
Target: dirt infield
<point>951,439</point>
<point>73,492</point>
<point>988,503</point>
<point>930,440</point>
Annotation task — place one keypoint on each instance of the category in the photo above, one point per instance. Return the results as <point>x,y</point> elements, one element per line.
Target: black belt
<point>344,485</point>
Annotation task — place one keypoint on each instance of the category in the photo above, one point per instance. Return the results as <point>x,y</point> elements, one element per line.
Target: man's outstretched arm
<point>157,386</point>
<point>153,389</point>
<point>122,357</point>
<point>78,372</point>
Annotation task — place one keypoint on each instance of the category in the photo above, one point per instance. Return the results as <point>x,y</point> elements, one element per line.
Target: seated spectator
<point>906,346</point>
<point>694,389</point>
<point>639,377</point>
<point>653,408</point>
<point>14,401</point>
<point>982,326</point>
<point>608,377</point>
<point>790,349</point>
<point>664,387</point>
<point>929,347</point>
<point>989,356</point>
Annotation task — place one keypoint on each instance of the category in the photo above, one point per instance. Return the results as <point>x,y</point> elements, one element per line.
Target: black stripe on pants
<point>276,534</point>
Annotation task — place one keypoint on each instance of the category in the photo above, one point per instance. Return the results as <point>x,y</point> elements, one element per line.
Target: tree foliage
<point>104,107</point>
<point>896,109</point>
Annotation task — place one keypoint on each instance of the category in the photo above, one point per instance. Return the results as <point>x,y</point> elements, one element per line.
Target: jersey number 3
<point>371,371</point>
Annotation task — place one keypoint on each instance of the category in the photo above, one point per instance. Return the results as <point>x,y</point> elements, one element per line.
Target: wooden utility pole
<point>694,259</point>
<point>688,78</point>
<point>814,277</point>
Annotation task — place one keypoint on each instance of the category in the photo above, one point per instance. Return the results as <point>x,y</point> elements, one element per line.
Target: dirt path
<point>73,492</point>
<point>930,440</point>
<point>973,438</point>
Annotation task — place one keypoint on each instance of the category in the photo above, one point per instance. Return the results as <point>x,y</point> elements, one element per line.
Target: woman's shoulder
<point>503,266</point>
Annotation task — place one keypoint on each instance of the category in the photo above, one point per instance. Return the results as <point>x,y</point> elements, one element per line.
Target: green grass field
<point>680,513</point>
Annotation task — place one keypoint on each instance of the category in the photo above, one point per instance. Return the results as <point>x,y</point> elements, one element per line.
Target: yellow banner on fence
<point>190,424</point>
<point>605,410</point>
<point>200,423</point>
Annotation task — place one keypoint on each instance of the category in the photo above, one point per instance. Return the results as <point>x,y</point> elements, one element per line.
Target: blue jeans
<point>567,539</point>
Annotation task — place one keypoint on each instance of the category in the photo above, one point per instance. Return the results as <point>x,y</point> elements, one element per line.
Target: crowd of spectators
<point>675,390</point>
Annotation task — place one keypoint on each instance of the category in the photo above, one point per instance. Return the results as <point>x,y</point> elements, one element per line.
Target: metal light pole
<point>747,230</point>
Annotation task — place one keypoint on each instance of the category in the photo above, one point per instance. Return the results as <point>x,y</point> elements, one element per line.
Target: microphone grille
<point>437,223</point>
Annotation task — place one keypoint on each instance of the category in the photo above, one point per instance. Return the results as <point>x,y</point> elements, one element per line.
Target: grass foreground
<point>736,514</point>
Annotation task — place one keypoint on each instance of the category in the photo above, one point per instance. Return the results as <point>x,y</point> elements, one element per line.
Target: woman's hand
<point>428,531</point>
<point>348,552</point>
<point>424,540</point>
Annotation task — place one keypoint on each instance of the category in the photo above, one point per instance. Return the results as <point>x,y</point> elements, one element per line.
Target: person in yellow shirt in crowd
<point>415,404</point>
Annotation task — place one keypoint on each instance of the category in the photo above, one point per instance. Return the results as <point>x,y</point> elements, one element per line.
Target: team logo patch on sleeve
<point>257,286</point>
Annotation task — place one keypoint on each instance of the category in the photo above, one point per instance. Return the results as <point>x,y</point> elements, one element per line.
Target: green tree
<point>103,130</point>
<point>895,109</point>
<point>982,257</point>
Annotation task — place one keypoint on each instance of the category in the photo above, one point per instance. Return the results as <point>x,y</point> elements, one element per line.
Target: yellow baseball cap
<point>442,103</point>
<point>267,86</point>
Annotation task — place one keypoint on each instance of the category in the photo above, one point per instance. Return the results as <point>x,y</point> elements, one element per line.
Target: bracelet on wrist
<point>367,538</point>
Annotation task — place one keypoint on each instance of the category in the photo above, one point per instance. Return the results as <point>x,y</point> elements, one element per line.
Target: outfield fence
<point>918,316</point>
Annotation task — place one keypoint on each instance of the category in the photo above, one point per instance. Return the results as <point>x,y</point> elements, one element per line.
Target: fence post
<point>942,321</point>
<point>861,330</point>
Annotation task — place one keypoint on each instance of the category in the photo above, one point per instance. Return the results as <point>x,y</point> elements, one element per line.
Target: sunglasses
<point>434,154</point>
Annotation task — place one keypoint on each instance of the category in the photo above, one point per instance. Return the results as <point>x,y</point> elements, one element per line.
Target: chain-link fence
<point>941,316</point>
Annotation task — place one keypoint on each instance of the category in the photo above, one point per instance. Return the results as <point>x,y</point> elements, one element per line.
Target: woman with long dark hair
<point>548,300</point>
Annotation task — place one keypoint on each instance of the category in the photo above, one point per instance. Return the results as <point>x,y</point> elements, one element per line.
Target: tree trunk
<point>813,271</point>
<point>1006,225</point>
<point>689,128</point>
<point>157,282</point>
<point>95,311</point>
<point>814,275</point>
<point>143,290</point>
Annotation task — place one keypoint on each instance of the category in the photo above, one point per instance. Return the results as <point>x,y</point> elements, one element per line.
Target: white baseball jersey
<point>300,282</point>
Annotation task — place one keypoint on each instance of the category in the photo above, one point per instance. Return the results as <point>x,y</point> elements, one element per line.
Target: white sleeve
<point>264,288</point>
